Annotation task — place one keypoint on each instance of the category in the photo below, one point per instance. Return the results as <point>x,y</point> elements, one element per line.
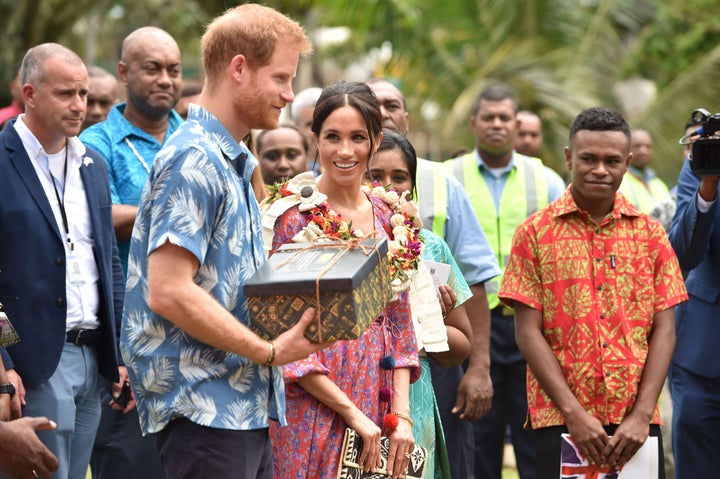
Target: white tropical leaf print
<point>220,239</point>
<point>198,174</point>
<point>242,379</point>
<point>200,408</point>
<point>230,292</point>
<point>144,334</point>
<point>162,178</point>
<point>239,416</point>
<point>207,276</point>
<point>187,213</point>
<point>159,412</point>
<point>134,273</point>
<point>153,334</point>
<point>198,364</point>
<point>178,337</point>
<point>159,377</point>
<point>247,267</point>
<point>139,231</point>
<point>235,243</point>
<point>225,143</point>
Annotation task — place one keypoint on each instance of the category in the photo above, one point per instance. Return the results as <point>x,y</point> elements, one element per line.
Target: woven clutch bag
<point>352,447</point>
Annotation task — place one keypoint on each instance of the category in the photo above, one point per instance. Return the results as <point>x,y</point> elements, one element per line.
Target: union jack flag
<point>573,464</point>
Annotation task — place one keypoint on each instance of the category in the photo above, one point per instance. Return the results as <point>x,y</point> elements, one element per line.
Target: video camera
<point>705,158</point>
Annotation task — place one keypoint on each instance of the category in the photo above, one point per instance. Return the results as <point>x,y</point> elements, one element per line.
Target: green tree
<point>559,56</point>
<point>28,23</point>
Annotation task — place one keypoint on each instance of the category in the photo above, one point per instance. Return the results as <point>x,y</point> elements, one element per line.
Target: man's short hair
<point>33,65</point>
<point>494,94</point>
<point>529,113</point>
<point>95,71</point>
<point>599,118</point>
<point>251,30</point>
<point>305,98</point>
<point>377,81</point>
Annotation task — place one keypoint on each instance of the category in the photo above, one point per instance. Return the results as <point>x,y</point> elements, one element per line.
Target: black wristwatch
<point>7,389</point>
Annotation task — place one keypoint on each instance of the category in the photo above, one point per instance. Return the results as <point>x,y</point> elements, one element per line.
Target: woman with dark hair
<point>395,164</point>
<point>357,383</point>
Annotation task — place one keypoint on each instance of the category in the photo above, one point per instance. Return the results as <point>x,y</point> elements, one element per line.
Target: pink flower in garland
<point>406,245</point>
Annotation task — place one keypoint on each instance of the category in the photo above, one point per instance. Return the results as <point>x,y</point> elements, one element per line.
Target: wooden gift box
<point>354,287</point>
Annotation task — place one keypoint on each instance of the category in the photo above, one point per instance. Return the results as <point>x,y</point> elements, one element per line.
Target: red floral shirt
<point>598,288</point>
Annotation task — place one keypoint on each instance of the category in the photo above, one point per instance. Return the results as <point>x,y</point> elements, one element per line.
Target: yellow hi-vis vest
<point>525,191</point>
<point>641,195</point>
<point>432,196</point>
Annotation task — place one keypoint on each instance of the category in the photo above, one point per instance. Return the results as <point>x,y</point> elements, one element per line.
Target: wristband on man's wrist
<point>8,388</point>
<point>271,357</point>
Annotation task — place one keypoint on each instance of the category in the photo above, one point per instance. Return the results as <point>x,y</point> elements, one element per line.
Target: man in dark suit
<point>60,277</point>
<point>695,368</point>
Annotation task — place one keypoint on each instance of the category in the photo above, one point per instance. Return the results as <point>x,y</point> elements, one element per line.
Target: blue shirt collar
<point>645,174</point>
<point>486,169</point>
<point>230,148</point>
<point>122,128</point>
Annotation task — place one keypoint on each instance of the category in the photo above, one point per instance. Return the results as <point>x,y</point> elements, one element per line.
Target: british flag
<point>573,464</point>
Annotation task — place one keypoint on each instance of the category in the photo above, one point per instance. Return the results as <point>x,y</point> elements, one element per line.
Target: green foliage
<point>680,35</point>
<point>559,56</point>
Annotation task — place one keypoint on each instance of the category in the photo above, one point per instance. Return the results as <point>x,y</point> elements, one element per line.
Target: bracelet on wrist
<point>271,357</point>
<point>404,416</point>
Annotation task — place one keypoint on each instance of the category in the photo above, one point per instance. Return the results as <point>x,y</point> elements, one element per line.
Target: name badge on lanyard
<point>74,270</point>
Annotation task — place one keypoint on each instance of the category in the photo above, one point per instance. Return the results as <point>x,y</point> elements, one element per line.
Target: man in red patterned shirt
<point>593,282</point>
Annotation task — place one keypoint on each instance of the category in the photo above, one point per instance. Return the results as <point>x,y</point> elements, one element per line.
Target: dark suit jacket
<point>696,239</point>
<point>32,265</point>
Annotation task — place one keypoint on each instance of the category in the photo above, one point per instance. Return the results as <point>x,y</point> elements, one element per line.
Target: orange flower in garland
<point>331,223</point>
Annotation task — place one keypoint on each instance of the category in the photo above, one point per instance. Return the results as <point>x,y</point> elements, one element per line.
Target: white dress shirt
<point>82,294</point>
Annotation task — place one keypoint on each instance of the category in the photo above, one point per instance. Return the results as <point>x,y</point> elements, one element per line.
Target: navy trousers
<point>695,424</point>
<point>509,406</point>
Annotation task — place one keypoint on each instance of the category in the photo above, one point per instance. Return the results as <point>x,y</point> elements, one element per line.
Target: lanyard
<point>61,200</point>
<point>137,155</point>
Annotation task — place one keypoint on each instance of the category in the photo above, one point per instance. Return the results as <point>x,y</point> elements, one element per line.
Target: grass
<point>510,473</point>
<point>509,470</point>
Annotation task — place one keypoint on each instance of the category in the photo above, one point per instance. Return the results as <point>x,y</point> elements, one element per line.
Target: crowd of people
<point>129,228</point>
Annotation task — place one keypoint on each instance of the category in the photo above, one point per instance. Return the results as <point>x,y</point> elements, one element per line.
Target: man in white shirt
<point>60,277</point>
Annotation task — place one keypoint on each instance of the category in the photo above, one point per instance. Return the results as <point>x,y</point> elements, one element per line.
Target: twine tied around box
<point>322,242</point>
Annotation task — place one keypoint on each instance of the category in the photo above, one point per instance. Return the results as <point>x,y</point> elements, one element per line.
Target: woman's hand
<point>401,446</point>
<point>370,434</point>
<point>447,298</point>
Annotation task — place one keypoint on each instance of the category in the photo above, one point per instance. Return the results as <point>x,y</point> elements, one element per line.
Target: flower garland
<point>404,247</point>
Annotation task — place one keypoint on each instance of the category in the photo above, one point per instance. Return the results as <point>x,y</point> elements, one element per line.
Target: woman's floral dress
<point>309,447</point>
